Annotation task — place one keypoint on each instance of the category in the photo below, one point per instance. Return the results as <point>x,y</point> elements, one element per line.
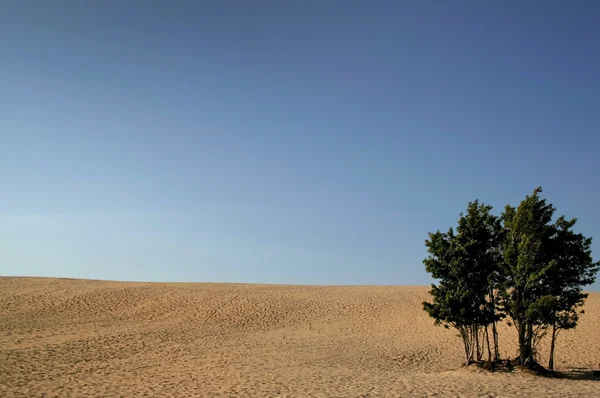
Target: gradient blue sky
<point>311,142</point>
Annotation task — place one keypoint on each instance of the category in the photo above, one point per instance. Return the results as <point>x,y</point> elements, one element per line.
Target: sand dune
<point>92,338</point>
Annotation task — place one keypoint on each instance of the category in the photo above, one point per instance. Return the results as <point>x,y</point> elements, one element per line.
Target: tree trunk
<point>524,343</point>
<point>476,335</point>
<point>466,341</point>
<point>521,343</point>
<point>494,330</point>
<point>496,343</point>
<point>529,359</point>
<point>552,345</point>
<point>487,338</point>
<point>473,344</point>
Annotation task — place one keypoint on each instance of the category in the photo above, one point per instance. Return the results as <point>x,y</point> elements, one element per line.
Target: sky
<point>313,142</point>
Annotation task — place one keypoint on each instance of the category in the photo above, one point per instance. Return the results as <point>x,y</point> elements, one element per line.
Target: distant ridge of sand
<point>73,337</point>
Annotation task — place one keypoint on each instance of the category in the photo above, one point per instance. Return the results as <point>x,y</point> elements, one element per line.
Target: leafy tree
<point>573,269</point>
<point>479,235</point>
<point>527,232</point>
<point>545,267</point>
<point>521,266</point>
<point>466,265</point>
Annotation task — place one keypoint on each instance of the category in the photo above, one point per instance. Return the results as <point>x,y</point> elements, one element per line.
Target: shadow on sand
<point>580,374</point>
<point>571,374</point>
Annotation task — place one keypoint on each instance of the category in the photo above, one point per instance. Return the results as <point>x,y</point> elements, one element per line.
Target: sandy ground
<point>91,338</point>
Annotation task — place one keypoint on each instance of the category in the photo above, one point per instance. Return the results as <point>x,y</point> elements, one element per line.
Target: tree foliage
<point>527,261</point>
<point>466,263</point>
<point>520,265</point>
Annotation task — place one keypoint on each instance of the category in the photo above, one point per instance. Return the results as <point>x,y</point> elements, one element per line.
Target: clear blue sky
<point>302,142</point>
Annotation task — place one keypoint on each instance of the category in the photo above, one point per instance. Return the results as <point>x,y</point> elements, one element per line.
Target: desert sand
<point>78,338</point>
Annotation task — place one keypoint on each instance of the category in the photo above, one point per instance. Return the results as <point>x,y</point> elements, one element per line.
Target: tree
<point>526,233</point>
<point>544,270</point>
<point>573,269</point>
<point>521,266</point>
<point>467,267</point>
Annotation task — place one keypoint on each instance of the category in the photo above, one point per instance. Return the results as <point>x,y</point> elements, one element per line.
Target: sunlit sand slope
<point>91,338</point>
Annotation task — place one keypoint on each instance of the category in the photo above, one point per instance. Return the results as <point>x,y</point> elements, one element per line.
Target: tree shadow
<point>508,366</point>
<point>500,366</point>
<point>580,374</point>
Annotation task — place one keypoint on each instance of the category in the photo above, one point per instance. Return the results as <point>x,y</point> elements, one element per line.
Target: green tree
<point>545,267</point>
<point>573,268</point>
<point>466,263</point>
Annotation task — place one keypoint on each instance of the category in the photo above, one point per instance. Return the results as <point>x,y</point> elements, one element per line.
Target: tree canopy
<point>520,265</point>
<point>466,263</point>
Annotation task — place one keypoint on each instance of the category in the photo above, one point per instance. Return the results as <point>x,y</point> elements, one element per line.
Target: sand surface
<point>92,338</point>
